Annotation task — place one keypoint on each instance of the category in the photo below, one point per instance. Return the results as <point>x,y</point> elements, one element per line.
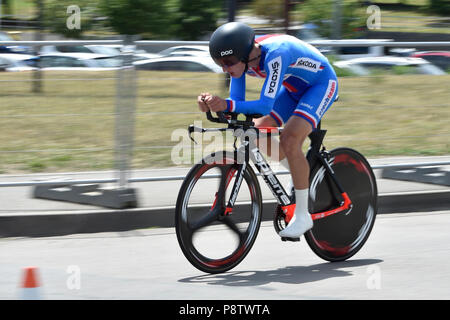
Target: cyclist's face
<point>232,65</point>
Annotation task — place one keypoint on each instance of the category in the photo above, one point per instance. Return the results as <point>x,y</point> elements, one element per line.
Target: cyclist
<point>300,85</point>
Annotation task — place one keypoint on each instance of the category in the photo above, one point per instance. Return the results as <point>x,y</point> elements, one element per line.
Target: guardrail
<point>175,178</point>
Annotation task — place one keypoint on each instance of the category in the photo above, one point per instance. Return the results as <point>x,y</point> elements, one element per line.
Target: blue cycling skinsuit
<point>299,81</point>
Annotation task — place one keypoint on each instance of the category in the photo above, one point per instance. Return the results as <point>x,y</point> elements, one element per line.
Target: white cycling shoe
<point>299,224</point>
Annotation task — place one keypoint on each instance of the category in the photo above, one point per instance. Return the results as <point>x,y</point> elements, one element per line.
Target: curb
<point>67,223</point>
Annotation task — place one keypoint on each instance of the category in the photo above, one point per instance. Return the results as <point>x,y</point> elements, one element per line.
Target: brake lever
<point>192,129</point>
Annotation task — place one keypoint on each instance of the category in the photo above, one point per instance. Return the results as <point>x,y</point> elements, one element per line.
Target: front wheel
<point>214,241</point>
<point>340,236</point>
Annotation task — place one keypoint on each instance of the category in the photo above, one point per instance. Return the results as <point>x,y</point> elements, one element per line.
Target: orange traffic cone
<point>30,286</point>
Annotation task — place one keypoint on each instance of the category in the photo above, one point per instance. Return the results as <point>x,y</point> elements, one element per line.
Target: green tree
<point>270,9</point>
<point>56,17</point>
<point>6,7</point>
<point>133,17</point>
<point>441,7</point>
<point>195,18</point>
<point>353,16</point>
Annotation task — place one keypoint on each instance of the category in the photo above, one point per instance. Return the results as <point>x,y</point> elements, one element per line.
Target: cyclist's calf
<point>294,135</point>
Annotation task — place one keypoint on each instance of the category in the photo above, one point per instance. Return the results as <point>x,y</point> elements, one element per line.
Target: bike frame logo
<point>269,177</point>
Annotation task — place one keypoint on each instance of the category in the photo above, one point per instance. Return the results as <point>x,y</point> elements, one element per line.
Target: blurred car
<point>12,49</point>
<point>365,66</point>
<point>438,58</point>
<point>98,49</point>
<point>107,50</point>
<point>144,56</point>
<point>16,62</point>
<point>173,63</point>
<point>189,53</point>
<point>360,49</point>
<point>172,50</point>
<point>402,52</point>
<point>78,61</point>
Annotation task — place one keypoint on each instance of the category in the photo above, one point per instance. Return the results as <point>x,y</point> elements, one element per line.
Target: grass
<point>70,126</point>
<point>23,8</point>
<point>412,21</point>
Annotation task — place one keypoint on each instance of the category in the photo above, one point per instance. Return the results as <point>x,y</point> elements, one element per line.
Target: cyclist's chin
<point>235,74</point>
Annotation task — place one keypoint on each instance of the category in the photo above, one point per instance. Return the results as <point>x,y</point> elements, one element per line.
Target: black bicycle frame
<point>287,204</point>
<point>248,150</point>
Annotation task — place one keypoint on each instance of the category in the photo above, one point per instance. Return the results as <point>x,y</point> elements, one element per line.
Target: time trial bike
<point>219,205</point>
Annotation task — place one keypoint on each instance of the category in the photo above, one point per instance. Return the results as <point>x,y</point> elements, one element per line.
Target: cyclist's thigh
<point>316,101</point>
<point>283,107</point>
<point>266,121</point>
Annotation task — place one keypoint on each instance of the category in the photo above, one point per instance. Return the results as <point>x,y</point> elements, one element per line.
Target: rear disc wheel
<point>340,236</point>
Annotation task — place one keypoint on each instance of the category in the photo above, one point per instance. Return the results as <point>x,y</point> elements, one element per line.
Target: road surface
<point>406,257</point>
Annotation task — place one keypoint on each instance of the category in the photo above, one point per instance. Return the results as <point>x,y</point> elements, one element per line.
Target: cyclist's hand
<point>201,100</point>
<point>216,103</point>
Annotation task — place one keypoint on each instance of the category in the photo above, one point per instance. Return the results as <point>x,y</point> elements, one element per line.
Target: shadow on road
<point>291,275</point>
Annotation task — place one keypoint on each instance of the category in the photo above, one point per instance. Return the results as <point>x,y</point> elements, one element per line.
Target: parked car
<point>144,56</point>
<point>12,49</point>
<point>107,50</point>
<point>173,63</point>
<point>438,58</point>
<point>365,66</point>
<point>98,49</point>
<point>360,49</point>
<point>189,53</point>
<point>171,50</point>
<point>16,62</point>
<point>78,61</point>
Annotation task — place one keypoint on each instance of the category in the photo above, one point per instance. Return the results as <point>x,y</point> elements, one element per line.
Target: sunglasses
<point>227,62</point>
<point>230,61</point>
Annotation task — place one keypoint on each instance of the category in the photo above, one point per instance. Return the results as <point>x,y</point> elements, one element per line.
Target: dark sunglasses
<point>227,62</point>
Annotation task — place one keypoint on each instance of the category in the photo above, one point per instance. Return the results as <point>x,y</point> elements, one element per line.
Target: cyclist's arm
<point>276,65</point>
<point>237,88</point>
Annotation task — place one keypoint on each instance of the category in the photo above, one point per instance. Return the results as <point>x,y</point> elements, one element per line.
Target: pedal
<point>290,239</point>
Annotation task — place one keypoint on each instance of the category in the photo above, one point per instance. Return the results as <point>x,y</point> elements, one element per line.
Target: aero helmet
<point>233,39</point>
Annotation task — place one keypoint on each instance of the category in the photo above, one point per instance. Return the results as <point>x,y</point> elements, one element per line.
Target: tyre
<point>212,241</point>
<point>340,236</point>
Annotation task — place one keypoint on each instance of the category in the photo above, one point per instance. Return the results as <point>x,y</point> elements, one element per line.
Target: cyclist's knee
<point>291,142</point>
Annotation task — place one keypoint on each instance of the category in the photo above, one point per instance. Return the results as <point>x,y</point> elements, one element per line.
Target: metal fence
<point>122,113</point>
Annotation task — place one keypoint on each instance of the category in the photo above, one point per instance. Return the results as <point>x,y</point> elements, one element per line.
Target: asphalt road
<point>406,257</point>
